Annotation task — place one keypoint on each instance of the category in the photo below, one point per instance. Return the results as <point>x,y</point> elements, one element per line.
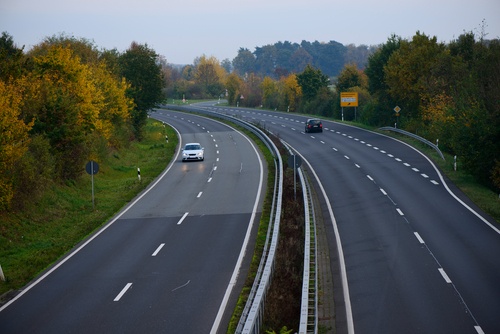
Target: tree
<point>351,77</point>
<point>270,96</point>
<point>416,71</point>
<point>290,92</point>
<point>210,75</point>
<point>379,110</point>
<point>11,58</point>
<point>66,105</point>
<point>234,85</point>
<point>310,81</point>
<point>139,65</point>
<point>14,138</point>
<point>244,62</point>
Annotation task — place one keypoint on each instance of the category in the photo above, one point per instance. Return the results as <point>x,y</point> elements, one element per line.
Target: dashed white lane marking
<point>357,165</point>
<point>398,160</point>
<point>425,175</point>
<point>209,179</point>
<point>345,156</point>
<point>390,155</point>
<point>182,219</point>
<point>383,191</point>
<point>199,194</point>
<point>434,182</point>
<point>215,167</point>
<point>322,142</point>
<point>445,276</point>
<point>415,169</point>
<point>478,329</point>
<point>369,177</point>
<point>333,148</point>
<point>120,295</point>
<point>419,238</point>
<point>158,250</point>
<point>400,212</point>
<point>406,164</point>
<point>383,152</point>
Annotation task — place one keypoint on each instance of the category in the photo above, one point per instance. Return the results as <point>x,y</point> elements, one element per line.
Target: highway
<point>418,256</point>
<point>173,261</point>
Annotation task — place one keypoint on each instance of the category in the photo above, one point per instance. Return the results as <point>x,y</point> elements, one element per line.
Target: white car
<point>193,151</point>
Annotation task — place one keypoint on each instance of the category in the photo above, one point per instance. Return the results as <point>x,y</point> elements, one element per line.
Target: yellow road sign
<point>349,99</point>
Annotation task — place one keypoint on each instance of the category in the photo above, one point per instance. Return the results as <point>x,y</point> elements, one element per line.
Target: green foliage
<point>11,58</point>
<point>447,92</point>
<point>139,65</point>
<point>311,81</point>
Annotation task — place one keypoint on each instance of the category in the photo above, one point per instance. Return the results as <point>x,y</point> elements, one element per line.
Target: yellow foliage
<point>14,138</point>
<point>436,109</point>
<point>291,91</point>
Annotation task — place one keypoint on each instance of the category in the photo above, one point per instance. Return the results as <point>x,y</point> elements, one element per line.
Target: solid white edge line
<point>120,295</point>
<point>343,270</point>
<point>158,249</point>
<point>445,276</point>
<point>182,219</point>
<point>237,267</point>
<point>118,216</point>
<point>484,220</point>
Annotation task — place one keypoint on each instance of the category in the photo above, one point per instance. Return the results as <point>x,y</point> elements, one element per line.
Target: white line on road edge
<point>158,250</point>
<point>182,219</point>
<point>98,232</point>
<point>341,260</point>
<point>237,267</point>
<point>443,273</point>
<point>120,295</point>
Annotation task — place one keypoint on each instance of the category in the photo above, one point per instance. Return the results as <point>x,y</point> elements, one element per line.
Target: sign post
<point>397,109</point>
<point>349,99</point>
<point>92,168</point>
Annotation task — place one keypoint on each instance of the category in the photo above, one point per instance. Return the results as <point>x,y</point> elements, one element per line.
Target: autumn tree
<point>234,85</point>
<point>14,139</point>
<point>290,92</point>
<point>210,75</point>
<point>270,93</point>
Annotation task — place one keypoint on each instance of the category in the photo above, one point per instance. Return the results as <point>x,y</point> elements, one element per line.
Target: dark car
<point>314,125</point>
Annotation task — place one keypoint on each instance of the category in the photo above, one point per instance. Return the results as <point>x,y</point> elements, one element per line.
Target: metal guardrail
<point>308,322</point>
<point>252,316</point>
<point>409,134</point>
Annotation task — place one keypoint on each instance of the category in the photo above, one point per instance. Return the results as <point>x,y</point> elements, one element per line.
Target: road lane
<point>114,284</point>
<point>396,282</point>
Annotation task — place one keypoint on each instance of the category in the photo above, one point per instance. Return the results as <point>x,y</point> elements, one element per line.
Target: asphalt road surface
<point>172,262</point>
<point>418,256</point>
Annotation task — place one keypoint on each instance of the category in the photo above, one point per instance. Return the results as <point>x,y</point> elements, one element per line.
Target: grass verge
<point>45,230</point>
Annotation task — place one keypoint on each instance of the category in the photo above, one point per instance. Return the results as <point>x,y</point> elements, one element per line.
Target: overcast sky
<point>185,29</point>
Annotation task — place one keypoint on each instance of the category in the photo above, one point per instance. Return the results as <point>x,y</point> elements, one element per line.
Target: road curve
<point>417,259</point>
<point>167,263</point>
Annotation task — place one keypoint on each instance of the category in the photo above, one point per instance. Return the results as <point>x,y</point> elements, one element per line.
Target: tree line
<point>448,92</point>
<point>65,102</point>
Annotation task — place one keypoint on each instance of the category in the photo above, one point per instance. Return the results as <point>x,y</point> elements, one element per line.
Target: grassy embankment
<point>57,221</point>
